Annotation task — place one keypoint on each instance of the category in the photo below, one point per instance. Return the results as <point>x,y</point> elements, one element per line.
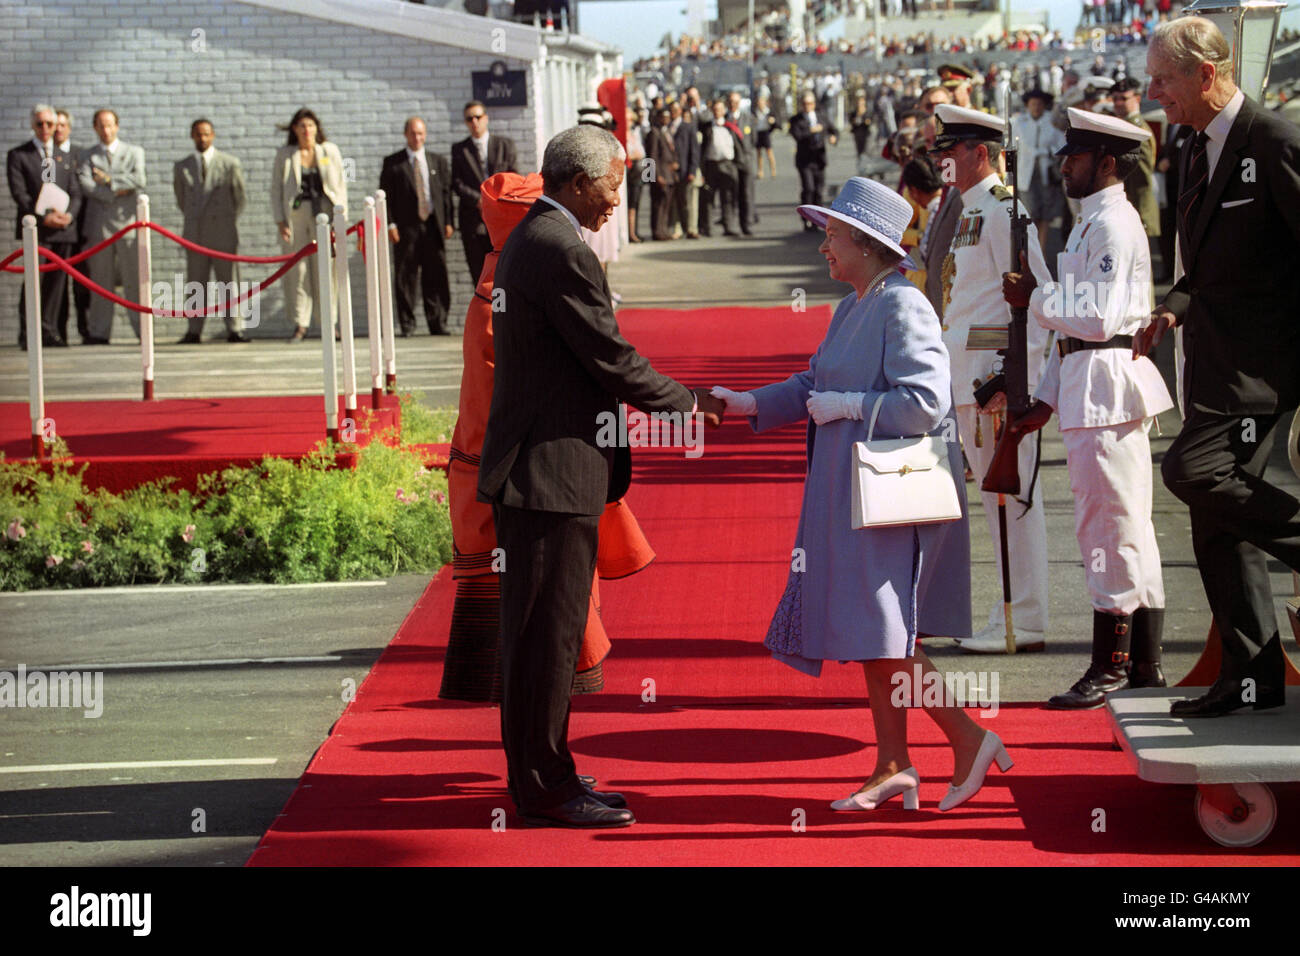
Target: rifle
<point>1003,476</point>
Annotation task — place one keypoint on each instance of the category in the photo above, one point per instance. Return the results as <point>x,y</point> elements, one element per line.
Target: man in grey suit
<point>111,175</point>
<point>209,189</point>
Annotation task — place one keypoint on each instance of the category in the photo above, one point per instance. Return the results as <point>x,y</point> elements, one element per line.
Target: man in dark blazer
<point>417,184</point>
<point>812,131</point>
<point>686,137</point>
<point>1239,243</point>
<point>473,160</point>
<point>209,188</point>
<point>30,166</point>
<point>78,294</point>
<point>548,467</point>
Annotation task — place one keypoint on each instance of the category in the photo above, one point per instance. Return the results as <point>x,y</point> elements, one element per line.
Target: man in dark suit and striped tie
<point>417,184</point>
<point>1239,245</point>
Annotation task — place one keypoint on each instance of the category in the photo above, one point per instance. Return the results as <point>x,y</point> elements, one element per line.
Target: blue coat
<point>864,594</point>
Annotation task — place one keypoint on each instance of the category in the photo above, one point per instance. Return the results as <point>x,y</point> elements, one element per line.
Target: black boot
<point>1144,641</point>
<point>1107,673</point>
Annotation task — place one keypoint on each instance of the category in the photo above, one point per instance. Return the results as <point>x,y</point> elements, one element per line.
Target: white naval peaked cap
<point>1098,131</point>
<point>956,123</point>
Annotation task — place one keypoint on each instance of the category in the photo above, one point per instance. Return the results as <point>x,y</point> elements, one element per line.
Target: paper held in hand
<point>51,199</point>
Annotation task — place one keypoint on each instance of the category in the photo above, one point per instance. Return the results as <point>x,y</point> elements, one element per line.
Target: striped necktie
<point>1189,200</point>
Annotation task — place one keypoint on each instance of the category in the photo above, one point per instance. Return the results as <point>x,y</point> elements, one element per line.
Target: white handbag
<point>900,481</point>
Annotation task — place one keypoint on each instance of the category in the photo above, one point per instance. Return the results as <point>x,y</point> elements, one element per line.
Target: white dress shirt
<point>573,220</point>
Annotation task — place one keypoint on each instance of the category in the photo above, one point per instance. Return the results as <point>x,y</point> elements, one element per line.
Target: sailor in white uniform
<point>1105,401</point>
<point>972,289</point>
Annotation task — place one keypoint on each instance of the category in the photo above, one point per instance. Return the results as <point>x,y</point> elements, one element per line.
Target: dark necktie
<point>1198,173</point>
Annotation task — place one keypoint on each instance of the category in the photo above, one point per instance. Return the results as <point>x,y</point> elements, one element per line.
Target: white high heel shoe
<point>991,749</point>
<point>904,782</point>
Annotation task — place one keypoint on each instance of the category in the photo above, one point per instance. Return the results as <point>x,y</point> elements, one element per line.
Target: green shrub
<point>422,425</point>
<point>279,521</point>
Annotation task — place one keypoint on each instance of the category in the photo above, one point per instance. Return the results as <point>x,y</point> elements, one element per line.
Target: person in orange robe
<point>472,670</point>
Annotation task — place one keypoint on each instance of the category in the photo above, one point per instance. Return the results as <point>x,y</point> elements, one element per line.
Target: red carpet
<point>127,443</point>
<point>721,751</point>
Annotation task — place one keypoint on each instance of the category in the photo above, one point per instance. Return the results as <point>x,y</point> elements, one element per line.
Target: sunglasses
<point>475,116</point>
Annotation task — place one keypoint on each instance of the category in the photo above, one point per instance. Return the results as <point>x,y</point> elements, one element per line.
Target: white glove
<point>828,406</point>
<point>738,403</point>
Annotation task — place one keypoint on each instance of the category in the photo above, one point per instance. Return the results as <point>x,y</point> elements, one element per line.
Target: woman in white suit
<point>307,179</point>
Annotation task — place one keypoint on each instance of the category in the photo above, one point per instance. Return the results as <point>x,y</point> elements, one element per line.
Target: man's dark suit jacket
<point>810,147</point>
<point>560,362</point>
<point>467,174</point>
<point>1238,301</point>
<point>687,141</point>
<point>397,180</point>
<point>24,167</point>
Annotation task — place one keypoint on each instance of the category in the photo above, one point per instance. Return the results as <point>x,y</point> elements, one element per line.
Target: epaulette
<point>1001,193</point>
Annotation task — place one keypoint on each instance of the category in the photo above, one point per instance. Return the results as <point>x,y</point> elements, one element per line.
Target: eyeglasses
<point>45,123</point>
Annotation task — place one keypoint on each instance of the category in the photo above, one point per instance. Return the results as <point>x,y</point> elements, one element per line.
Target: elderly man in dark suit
<point>417,183</point>
<point>1239,244</point>
<point>30,166</point>
<point>562,367</point>
<point>209,187</point>
<point>473,160</point>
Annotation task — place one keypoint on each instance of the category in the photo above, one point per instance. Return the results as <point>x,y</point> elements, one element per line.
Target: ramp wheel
<point>1236,815</point>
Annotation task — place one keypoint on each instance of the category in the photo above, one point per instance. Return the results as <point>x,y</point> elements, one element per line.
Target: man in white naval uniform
<point>967,145</point>
<point>1106,402</point>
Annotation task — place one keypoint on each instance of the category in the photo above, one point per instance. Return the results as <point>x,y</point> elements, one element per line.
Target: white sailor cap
<point>1089,131</point>
<point>1097,85</point>
<point>956,123</point>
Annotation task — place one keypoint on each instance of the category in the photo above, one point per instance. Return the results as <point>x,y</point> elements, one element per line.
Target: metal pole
<point>343,290</point>
<point>146,284</point>
<point>35,355</point>
<point>385,267</point>
<point>325,304</point>
<point>374,283</point>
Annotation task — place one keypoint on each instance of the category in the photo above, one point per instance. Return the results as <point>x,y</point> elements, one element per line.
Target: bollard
<point>35,353</point>
<point>325,304</point>
<point>386,295</point>
<point>343,291</point>
<point>145,264</point>
<point>373,306</point>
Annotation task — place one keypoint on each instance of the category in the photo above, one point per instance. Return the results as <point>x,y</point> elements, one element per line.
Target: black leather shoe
<point>586,781</point>
<point>1268,671</point>
<point>189,338</point>
<point>581,813</point>
<point>53,342</point>
<point>608,798</point>
<point>237,337</point>
<point>92,340</point>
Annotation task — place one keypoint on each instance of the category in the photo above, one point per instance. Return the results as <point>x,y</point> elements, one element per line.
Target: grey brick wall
<point>256,68</point>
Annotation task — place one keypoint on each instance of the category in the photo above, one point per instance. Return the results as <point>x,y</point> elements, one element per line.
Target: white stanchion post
<point>325,303</point>
<point>374,299</point>
<point>386,294</point>
<point>146,285</point>
<point>35,353</point>
<point>343,292</point>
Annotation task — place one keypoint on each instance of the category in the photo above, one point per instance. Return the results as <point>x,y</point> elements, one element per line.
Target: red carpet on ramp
<point>726,756</point>
<point>126,443</point>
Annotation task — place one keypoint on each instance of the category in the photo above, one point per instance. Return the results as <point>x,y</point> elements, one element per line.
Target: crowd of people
<point>1121,21</point>
<point>82,196</point>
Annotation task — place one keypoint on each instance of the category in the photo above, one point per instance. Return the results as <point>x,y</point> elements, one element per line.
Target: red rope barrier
<point>179,240</point>
<point>58,262</point>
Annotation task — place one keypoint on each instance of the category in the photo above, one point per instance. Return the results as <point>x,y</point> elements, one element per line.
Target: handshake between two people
<point>822,407</point>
